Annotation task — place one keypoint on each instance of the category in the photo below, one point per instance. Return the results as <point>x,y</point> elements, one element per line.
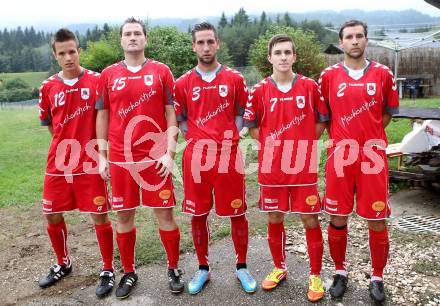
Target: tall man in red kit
<point>136,115</point>
<point>358,98</point>
<point>67,108</point>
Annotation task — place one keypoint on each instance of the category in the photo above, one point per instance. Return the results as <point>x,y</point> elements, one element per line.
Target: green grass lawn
<point>32,78</point>
<point>23,153</point>
<point>22,156</point>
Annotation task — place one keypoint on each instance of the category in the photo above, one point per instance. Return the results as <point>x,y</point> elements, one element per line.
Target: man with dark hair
<point>67,107</point>
<point>136,115</point>
<point>209,102</point>
<point>358,98</point>
<point>281,114</point>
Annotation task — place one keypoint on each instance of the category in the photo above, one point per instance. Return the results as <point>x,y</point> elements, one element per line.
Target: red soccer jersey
<point>136,103</point>
<point>70,110</point>
<point>355,107</point>
<point>210,107</point>
<point>287,129</point>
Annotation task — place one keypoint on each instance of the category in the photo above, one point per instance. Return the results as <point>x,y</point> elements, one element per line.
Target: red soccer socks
<point>379,248</point>
<point>126,243</point>
<point>276,237</point>
<point>337,241</point>
<point>104,235</point>
<point>171,243</point>
<point>240,237</point>
<point>315,248</point>
<point>58,237</point>
<point>200,234</point>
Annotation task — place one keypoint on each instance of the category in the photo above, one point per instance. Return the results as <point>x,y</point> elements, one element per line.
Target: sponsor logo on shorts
<point>118,206</point>
<point>47,202</point>
<point>272,207</point>
<point>331,209</point>
<point>190,203</point>
<point>117,199</point>
<point>99,200</point>
<point>331,202</point>
<point>165,194</point>
<point>270,201</point>
<point>312,200</point>
<point>378,206</point>
<point>237,203</point>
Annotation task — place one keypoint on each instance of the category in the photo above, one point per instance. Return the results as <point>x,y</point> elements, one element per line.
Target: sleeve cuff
<point>392,110</point>
<point>45,122</point>
<point>181,118</point>
<point>323,118</point>
<point>250,123</point>
<point>100,103</point>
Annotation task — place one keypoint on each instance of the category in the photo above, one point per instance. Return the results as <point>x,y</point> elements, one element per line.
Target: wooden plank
<point>418,113</point>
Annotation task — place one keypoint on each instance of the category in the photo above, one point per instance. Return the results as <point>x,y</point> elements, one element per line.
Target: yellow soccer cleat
<point>316,289</point>
<point>274,278</point>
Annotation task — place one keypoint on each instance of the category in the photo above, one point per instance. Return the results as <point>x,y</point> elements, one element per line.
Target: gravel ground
<point>412,276</point>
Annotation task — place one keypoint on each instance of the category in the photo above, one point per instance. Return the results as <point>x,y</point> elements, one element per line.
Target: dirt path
<point>25,253</point>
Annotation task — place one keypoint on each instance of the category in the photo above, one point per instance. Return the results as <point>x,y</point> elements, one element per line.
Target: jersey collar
<point>365,69</point>
<point>295,78</point>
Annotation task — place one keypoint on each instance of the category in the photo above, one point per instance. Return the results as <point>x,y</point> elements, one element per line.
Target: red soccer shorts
<point>87,192</point>
<point>221,173</point>
<point>296,199</point>
<point>364,172</point>
<point>130,181</point>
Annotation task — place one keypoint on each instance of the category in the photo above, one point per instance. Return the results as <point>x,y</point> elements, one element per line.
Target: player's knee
<point>339,221</point>
<point>54,218</point>
<point>126,217</point>
<point>99,218</point>
<point>275,217</point>
<point>310,221</point>
<point>377,225</point>
<point>164,215</point>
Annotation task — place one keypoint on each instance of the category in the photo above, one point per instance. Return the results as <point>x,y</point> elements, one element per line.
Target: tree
<point>309,60</point>
<point>102,53</point>
<point>164,44</point>
<point>223,21</point>
<point>172,47</point>
<point>240,18</point>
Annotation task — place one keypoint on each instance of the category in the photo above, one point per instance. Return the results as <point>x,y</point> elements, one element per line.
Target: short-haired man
<point>136,115</point>
<point>281,114</point>
<point>208,99</point>
<point>67,107</point>
<point>358,98</point>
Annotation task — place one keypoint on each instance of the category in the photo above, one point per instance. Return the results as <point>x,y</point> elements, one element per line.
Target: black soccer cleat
<point>56,273</point>
<point>126,285</point>
<point>175,281</point>
<point>377,291</point>
<point>105,283</point>
<point>339,286</point>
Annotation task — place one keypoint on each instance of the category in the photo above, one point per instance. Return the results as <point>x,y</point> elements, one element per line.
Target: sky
<point>39,12</point>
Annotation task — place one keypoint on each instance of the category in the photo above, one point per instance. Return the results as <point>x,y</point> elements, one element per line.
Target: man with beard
<point>209,99</point>
<point>358,98</point>
<point>136,115</point>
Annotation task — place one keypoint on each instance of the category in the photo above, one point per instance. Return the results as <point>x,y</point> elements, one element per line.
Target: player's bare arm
<point>165,163</point>
<point>50,129</point>
<point>102,136</point>
<point>320,127</point>
<point>386,119</point>
<point>254,133</point>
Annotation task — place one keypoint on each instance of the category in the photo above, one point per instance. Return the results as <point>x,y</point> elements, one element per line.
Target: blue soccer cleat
<point>198,281</point>
<point>246,280</point>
